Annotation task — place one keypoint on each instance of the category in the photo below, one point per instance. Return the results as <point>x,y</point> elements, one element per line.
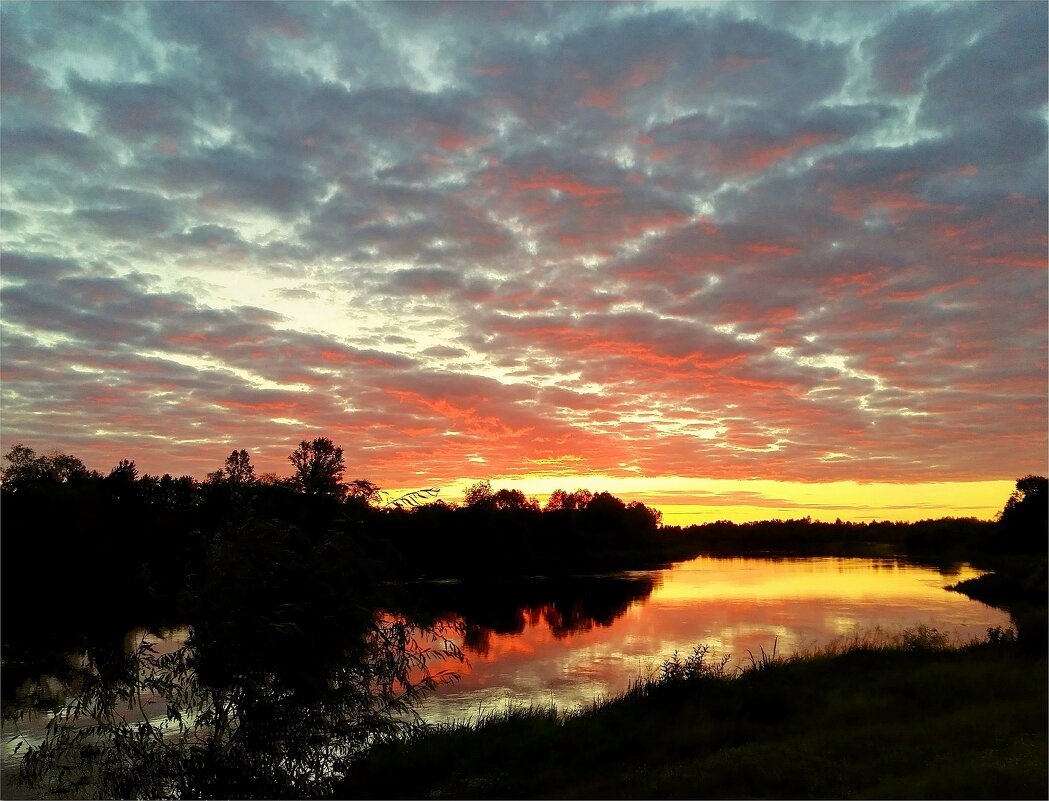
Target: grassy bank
<point>904,717</point>
<point>1017,584</point>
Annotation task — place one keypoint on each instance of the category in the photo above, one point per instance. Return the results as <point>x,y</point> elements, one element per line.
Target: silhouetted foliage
<point>1024,522</point>
<point>238,468</point>
<point>478,494</point>
<point>559,499</point>
<point>25,468</point>
<point>290,669</point>
<point>511,499</point>
<point>364,491</point>
<point>319,467</point>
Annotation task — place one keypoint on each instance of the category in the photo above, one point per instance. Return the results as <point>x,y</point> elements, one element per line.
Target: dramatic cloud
<point>791,242</point>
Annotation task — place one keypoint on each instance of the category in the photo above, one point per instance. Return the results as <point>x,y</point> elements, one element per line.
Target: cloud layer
<point>779,241</point>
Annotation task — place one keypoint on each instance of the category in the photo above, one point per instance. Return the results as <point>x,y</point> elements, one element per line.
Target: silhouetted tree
<point>556,501</point>
<point>478,494</point>
<point>318,468</point>
<point>605,502</point>
<point>121,483</point>
<point>1025,519</point>
<point>364,490</point>
<point>559,499</point>
<point>510,499</point>
<point>26,468</point>
<point>125,471</point>
<point>22,466</point>
<point>149,488</point>
<point>238,468</point>
<point>178,492</point>
<point>651,517</point>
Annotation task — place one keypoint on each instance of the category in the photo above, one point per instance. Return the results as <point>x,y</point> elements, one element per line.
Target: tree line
<point>80,544</point>
<point>319,467</point>
<point>96,519</point>
<point>122,531</point>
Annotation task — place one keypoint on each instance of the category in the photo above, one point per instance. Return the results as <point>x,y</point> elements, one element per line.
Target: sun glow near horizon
<point>685,501</point>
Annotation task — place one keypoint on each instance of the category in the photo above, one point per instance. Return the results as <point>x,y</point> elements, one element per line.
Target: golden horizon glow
<point>805,580</point>
<point>686,501</point>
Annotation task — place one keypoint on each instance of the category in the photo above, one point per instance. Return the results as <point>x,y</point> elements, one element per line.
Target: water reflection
<point>569,642</point>
<point>566,606</point>
<point>583,644</point>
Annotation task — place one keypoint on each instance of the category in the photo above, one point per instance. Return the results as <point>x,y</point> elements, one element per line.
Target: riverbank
<point>878,717</point>
<point>900,717</point>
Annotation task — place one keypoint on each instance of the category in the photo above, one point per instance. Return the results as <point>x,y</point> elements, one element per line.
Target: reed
<point>879,714</point>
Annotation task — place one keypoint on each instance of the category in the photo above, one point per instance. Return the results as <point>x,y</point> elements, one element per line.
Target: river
<point>571,642</point>
<point>734,605</point>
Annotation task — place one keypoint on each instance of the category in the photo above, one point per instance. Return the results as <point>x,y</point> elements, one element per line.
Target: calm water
<point>571,642</point>
<point>733,605</point>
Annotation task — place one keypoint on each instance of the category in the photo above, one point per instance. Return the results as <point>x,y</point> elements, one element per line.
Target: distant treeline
<point>80,542</point>
<point>940,539</point>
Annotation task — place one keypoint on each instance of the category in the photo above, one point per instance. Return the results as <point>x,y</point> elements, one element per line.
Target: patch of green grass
<point>878,718</point>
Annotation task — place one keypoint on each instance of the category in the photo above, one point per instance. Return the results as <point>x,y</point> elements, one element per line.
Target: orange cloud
<point>563,182</point>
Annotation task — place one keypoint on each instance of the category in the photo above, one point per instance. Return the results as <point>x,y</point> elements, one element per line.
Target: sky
<point>741,260</point>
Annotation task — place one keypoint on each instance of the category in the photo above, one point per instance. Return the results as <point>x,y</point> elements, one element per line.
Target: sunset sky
<point>737,260</point>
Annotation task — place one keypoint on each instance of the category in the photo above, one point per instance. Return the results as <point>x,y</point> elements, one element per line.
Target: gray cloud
<point>702,240</point>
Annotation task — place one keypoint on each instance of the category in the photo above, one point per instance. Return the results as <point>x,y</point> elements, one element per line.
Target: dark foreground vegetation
<point>314,624</point>
<point>901,718</point>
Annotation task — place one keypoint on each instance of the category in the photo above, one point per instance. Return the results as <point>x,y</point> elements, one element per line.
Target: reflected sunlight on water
<point>569,643</point>
<point>735,605</point>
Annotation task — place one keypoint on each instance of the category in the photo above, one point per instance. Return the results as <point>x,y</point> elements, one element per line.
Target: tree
<point>368,493</point>
<point>478,494</point>
<point>605,503</point>
<point>510,499</point>
<point>364,490</point>
<point>23,466</point>
<point>122,481</point>
<point>1030,491</point>
<point>556,501</point>
<point>178,492</point>
<point>1025,518</point>
<point>63,467</point>
<point>318,468</point>
<point>124,472</point>
<point>559,499</point>
<point>26,468</point>
<point>238,468</point>
<point>653,517</point>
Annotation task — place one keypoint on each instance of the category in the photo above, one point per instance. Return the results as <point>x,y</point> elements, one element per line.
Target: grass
<point>877,716</point>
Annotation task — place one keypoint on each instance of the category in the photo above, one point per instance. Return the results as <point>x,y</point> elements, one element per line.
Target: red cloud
<point>562,182</point>
<point>743,155</point>
<point>856,203</point>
